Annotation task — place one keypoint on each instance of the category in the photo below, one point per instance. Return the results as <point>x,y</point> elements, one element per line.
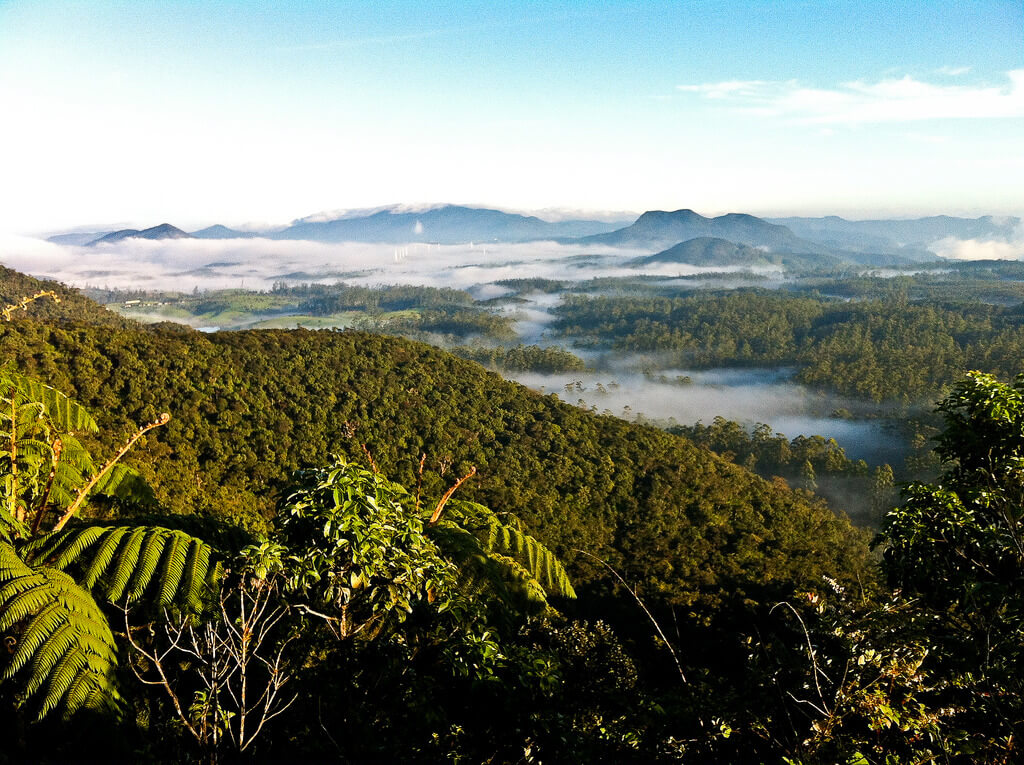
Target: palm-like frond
<point>61,647</point>
<point>65,414</point>
<point>536,567</point>
<point>123,565</point>
<point>125,483</point>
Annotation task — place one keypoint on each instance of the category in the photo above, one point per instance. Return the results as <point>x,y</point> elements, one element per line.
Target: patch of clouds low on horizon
<point>1009,248</point>
<point>891,99</point>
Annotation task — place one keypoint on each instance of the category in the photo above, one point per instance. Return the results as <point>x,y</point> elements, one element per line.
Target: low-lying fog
<point>187,264</point>
<point>747,396</point>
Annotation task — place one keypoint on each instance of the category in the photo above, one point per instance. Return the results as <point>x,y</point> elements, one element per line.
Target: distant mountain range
<point>730,239</point>
<point>900,236</point>
<point>446,224</point>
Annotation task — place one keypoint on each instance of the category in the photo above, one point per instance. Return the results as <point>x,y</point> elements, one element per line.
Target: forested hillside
<point>248,408</point>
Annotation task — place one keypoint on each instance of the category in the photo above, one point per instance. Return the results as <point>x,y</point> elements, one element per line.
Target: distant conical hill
<point>708,251</point>
<point>222,232</point>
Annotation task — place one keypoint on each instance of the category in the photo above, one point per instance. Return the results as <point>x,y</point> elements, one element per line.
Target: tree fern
<point>45,465</point>
<point>124,565</point>
<point>61,649</point>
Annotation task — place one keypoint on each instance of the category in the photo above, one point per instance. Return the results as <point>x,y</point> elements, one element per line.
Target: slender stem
<point>19,514</point>
<point>58,447</point>
<point>84,492</point>
<point>436,515</point>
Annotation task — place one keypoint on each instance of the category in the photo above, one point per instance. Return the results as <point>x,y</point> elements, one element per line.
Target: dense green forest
<point>880,349</point>
<point>403,556</point>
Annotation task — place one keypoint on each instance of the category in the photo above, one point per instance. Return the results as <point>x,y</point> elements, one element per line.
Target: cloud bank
<point>256,264</point>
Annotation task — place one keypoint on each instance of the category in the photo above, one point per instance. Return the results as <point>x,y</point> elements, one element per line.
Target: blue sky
<point>199,112</point>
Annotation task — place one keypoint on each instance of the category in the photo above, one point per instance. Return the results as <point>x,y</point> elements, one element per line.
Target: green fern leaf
<point>104,555</point>
<point>126,484</point>
<point>125,561</point>
<point>505,539</point>
<point>125,565</point>
<point>148,561</point>
<point>63,648</point>
<point>67,415</point>
<point>172,568</point>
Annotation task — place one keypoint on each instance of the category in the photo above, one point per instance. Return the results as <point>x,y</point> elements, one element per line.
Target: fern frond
<point>506,538</point>
<point>106,548</point>
<point>125,562</point>
<point>63,649</point>
<point>521,579</point>
<point>483,570</point>
<point>65,414</point>
<point>74,467</point>
<point>148,560</point>
<point>127,484</point>
<point>172,568</point>
<point>126,565</point>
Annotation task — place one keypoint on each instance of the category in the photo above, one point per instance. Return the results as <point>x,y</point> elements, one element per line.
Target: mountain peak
<point>163,231</point>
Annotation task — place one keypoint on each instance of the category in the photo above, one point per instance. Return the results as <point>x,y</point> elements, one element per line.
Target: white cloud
<point>978,249</point>
<point>953,71</point>
<point>903,99</point>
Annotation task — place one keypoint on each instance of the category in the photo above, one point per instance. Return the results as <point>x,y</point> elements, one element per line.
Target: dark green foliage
<point>845,483</point>
<point>323,300</point>
<point>60,647</point>
<point>454,322</point>
<point>960,541</point>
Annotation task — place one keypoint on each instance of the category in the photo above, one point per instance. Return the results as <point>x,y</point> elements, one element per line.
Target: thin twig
<point>810,651</point>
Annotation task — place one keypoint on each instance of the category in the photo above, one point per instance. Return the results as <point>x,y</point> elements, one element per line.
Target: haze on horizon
<point>131,113</point>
